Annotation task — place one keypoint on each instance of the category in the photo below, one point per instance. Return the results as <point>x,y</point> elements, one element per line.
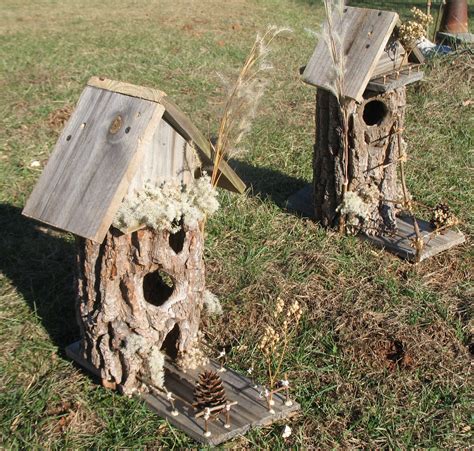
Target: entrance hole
<point>176,240</point>
<point>158,286</point>
<point>170,344</point>
<point>374,112</point>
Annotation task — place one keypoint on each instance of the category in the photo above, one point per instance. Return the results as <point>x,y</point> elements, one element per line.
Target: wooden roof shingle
<point>100,150</point>
<point>365,33</point>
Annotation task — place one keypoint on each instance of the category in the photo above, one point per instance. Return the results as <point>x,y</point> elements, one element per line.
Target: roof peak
<point>364,34</point>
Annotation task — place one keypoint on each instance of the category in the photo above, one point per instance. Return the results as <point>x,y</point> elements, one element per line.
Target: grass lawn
<point>361,304</point>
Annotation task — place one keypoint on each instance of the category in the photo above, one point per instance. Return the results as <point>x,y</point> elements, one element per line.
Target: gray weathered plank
<point>179,121</point>
<point>93,162</point>
<point>454,38</point>
<point>393,82</point>
<point>392,58</point>
<point>141,92</point>
<point>229,179</point>
<point>399,243</point>
<point>251,410</point>
<point>168,156</point>
<point>364,32</point>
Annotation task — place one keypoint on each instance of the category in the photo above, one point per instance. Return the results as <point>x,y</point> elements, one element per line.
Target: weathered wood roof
<point>365,33</point>
<point>102,151</point>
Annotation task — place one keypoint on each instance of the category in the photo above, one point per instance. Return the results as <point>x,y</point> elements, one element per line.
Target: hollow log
<point>138,294</point>
<point>373,157</point>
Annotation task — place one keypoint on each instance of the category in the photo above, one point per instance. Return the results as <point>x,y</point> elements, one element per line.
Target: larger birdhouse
<point>140,286</point>
<point>127,178</point>
<point>361,71</point>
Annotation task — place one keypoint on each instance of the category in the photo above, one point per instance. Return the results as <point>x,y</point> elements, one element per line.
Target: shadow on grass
<point>41,267</point>
<point>40,263</point>
<point>268,183</point>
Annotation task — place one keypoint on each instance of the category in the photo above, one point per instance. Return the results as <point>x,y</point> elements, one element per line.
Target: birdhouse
<point>140,288</point>
<point>127,177</point>
<point>361,71</point>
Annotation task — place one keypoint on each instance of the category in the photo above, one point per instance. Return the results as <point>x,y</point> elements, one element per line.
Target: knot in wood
<point>116,125</point>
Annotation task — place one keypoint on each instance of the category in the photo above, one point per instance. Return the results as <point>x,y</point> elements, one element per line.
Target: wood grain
<point>365,33</point>
<point>169,156</point>
<point>114,142</point>
<point>179,121</point>
<point>372,160</point>
<point>229,179</point>
<point>121,297</point>
<point>141,92</point>
<point>400,242</point>
<point>392,58</point>
<point>92,164</point>
<point>251,410</point>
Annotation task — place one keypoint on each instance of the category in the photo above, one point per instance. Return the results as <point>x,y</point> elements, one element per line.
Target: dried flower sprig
<point>442,217</point>
<point>243,98</point>
<point>333,36</point>
<point>418,242</point>
<point>282,323</point>
<point>413,30</point>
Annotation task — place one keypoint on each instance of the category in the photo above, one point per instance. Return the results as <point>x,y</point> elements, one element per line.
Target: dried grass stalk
<point>333,36</point>
<point>243,99</point>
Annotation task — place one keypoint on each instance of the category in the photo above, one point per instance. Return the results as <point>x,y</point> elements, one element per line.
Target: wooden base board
<point>251,410</point>
<point>400,243</point>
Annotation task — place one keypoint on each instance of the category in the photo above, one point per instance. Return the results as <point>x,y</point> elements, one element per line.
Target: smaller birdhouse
<point>361,71</point>
<point>127,178</point>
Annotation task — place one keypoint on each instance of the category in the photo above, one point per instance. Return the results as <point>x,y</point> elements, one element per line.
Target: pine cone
<point>442,217</point>
<point>209,391</point>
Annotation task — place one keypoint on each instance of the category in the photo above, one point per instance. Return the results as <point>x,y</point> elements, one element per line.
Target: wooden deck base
<point>398,243</point>
<point>251,410</point>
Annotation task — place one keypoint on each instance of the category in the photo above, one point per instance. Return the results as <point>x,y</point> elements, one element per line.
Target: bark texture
<point>373,158</point>
<point>121,310</point>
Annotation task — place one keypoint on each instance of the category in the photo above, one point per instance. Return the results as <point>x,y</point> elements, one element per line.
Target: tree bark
<point>373,157</point>
<point>126,311</point>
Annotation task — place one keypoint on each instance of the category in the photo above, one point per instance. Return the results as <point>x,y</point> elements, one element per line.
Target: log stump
<point>139,295</point>
<point>374,153</point>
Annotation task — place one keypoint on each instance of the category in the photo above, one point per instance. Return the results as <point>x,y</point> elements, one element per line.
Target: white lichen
<point>156,362</point>
<point>194,356</point>
<point>163,207</point>
<point>133,344</point>
<point>353,204</point>
<point>212,303</point>
<point>359,208</point>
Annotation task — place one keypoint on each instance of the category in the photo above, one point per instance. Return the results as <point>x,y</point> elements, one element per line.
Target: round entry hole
<point>375,112</point>
<point>158,286</point>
